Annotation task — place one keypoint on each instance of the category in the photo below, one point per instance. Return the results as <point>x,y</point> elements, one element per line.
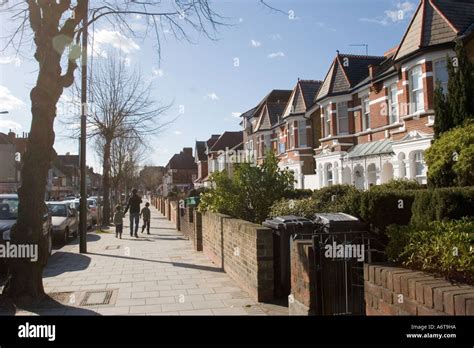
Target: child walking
<point>118,221</point>
<point>146,214</point>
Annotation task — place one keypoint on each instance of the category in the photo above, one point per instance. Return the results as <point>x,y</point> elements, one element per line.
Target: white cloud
<point>7,125</point>
<point>212,96</point>
<point>402,11</point>
<point>115,39</point>
<point>275,37</point>
<point>8,101</point>
<point>236,114</point>
<point>178,132</point>
<point>255,43</point>
<point>158,72</point>
<point>6,60</point>
<point>276,55</point>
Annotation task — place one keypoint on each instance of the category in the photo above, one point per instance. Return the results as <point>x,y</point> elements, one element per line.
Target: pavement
<point>156,274</point>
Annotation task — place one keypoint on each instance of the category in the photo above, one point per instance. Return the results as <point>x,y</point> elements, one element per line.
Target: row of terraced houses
<point>371,118</point>
<point>368,121</point>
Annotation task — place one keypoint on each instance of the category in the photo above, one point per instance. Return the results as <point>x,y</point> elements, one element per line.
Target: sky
<point>209,83</point>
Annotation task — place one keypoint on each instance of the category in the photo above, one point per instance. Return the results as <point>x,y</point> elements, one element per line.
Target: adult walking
<point>134,205</point>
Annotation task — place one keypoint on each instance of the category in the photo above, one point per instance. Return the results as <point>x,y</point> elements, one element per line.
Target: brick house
<point>8,169</point>
<point>200,157</point>
<point>281,123</point>
<point>377,113</point>
<point>217,153</point>
<point>180,172</point>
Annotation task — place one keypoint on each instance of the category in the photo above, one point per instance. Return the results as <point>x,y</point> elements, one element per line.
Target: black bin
<point>284,229</point>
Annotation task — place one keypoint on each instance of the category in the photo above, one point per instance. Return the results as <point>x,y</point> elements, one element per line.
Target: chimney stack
<point>188,151</point>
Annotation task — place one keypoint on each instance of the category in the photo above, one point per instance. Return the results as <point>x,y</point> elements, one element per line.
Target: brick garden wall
<point>244,250</point>
<point>303,283</point>
<point>399,291</point>
<point>187,222</point>
<point>212,237</point>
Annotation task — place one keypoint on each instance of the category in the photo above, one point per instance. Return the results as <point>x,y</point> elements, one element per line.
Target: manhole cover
<point>112,247</point>
<point>97,298</point>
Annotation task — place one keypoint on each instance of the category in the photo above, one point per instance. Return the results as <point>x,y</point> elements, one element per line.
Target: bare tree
<point>122,109</point>
<point>151,177</point>
<point>126,155</point>
<point>56,28</point>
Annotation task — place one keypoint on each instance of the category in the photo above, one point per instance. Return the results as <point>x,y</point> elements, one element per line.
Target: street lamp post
<point>83,201</point>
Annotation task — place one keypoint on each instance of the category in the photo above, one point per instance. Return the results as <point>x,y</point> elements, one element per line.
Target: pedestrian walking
<point>134,206</point>
<point>118,221</point>
<point>146,216</point>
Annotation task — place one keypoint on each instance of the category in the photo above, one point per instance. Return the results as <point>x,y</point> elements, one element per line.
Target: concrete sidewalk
<point>157,274</point>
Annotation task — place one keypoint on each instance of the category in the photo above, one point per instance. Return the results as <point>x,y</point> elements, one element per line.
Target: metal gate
<point>339,266</point>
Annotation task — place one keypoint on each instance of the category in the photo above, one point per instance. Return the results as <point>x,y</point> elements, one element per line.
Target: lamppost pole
<point>83,201</point>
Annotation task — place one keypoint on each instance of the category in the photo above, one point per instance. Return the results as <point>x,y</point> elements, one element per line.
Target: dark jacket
<point>134,205</point>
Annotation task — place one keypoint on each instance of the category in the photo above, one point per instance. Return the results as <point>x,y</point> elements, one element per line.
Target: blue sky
<point>201,79</point>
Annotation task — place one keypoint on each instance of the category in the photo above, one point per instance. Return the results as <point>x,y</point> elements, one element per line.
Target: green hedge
<point>442,247</point>
<point>384,206</point>
<point>381,208</point>
<point>442,204</point>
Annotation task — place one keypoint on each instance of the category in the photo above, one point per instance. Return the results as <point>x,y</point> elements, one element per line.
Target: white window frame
<point>302,130</point>
<point>435,77</point>
<point>419,163</point>
<point>327,120</point>
<point>291,131</point>
<point>393,117</point>
<point>365,113</point>
<point>280,144</point>
<point>345,118</point>
<point>417,101</point>
<point>329,175</point>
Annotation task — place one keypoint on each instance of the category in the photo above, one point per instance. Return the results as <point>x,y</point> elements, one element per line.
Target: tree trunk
<point>106,183</point>
<point>25,283</point>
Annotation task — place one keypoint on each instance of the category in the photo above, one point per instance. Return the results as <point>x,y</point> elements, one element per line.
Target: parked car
<point>9,214</point>
<point>90,216</point>
<point>65,220</point>
<point>94,207</point>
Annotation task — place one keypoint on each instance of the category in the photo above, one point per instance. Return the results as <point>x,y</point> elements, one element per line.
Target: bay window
<point>393,104</point>
<point>342,118</point>
<point>441,75</point>
<point>366,115</point>
<point>416,89</point>
<point>302,138</point>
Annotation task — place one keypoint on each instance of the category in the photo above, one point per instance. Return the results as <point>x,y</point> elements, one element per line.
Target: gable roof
<point>228,140</point>
<point>346,71</point>
<point>4,139</point>
<point>275,96</point>
<point>182,160</point>
<point>460,13</point>
<point>436,22</point>
<point>201,151</point>
<point>302,96</point>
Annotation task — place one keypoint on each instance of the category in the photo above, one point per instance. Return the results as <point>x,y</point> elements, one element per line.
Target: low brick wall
<point>174,213</point>
<point>400,291</point>
<point>212,231</point>
<point>303,283</point>
<point>244,250</point>
<point>187,222</point>
<point>197,230</point>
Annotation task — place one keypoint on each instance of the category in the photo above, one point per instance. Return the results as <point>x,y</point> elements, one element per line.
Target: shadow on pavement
<point>90,238</point>
<point>175,264</point>
<point>45,306</point>
<point>61,262</point>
